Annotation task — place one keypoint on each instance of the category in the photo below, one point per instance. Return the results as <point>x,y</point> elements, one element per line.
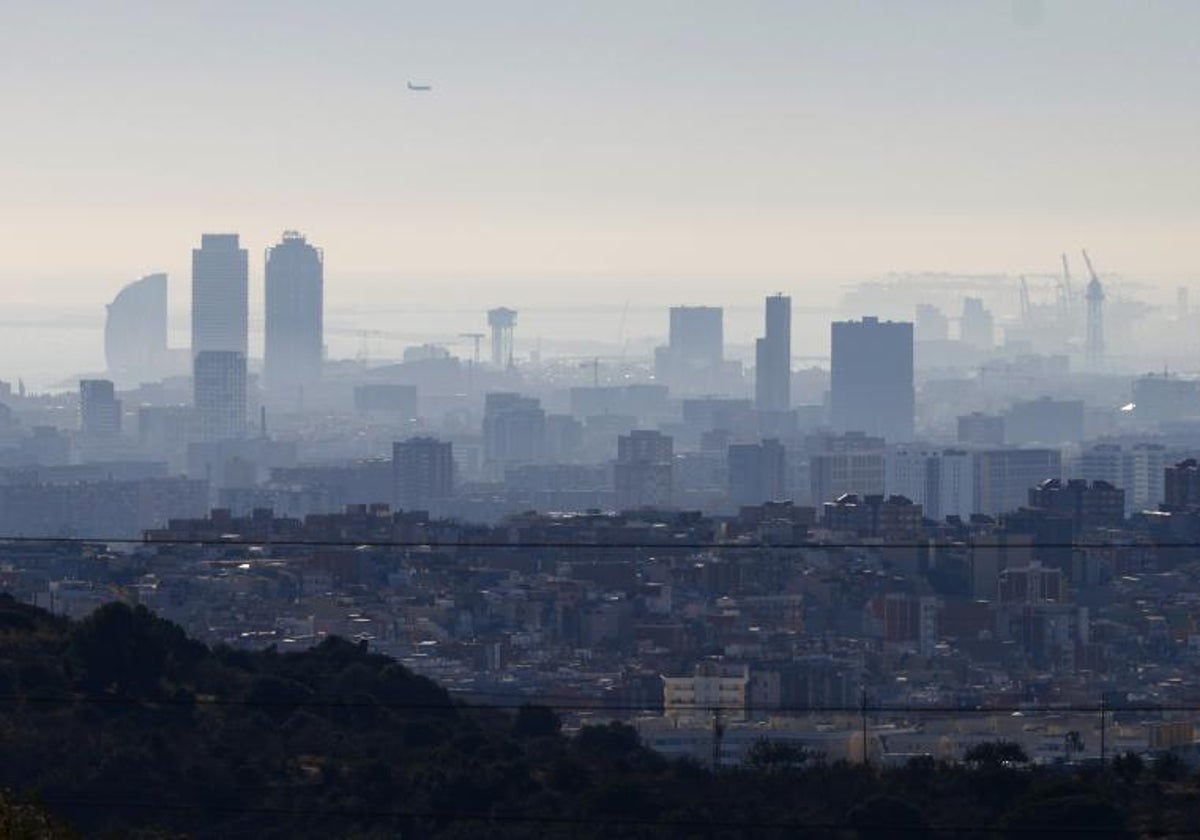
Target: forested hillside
<point>121,724</point>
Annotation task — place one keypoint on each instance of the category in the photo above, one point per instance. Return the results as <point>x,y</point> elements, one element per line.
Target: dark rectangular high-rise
<point>423,472</point>
<point>773,358</point>
<point>695,353</point>
<point>871,387</point>
<point>514,430</point>
<point>99,409</point>
<point>643,474</point>
<point>295,295</point>
<point>220,295</point>
<point>756,472</point>
<point>698,335</point>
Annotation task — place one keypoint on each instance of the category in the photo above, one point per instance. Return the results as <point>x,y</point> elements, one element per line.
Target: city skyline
<point>805,392</point>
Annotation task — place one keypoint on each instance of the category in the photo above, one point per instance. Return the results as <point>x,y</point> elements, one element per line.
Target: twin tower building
<point>136,332</point>
<point>294,328</point>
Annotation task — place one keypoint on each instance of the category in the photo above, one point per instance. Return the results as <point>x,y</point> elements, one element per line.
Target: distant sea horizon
<point>50,348</point>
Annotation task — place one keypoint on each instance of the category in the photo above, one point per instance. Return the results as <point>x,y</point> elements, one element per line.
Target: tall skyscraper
<point>695,353</point>
<point>219,393</point>
<point>135,330</point>
<point>423,472</point>
<point>871,382</point>
<point>99,410</point>
<point>295,327</point>
<point>773,358</point>
<point>220,295</point>
<point>697,334</point>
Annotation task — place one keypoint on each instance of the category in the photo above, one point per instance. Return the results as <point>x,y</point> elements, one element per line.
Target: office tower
<point>295,295</point>
<point>514,430</point>
<point>220,289</point>
<point>135,330</point>
<point>695,352</point>
<point>1103,462</point>
<point>501,322</point>
<point>942,482</point>
<point>756,472</point>
<point>956,484</point>
<point>1145,468</point>
<point>871,382</point>
<point>1181,485</point>
<point>643,474</point>
<point>697,335</point>
<point>1138,470</point>
<point>931,323</point>
<point>1003,477</point>
<point>422,472</point>
<point>773,358</point>
<point>914,473</point>
<point>99,409</point>
<point>977,328</point>
<point>850,463</point>
<point>219,389</point>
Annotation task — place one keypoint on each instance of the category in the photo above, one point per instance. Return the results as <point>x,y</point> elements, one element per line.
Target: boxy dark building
<point>871,380</point>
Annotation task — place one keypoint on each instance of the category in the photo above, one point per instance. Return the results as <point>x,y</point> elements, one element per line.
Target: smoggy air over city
<point>600,419</point>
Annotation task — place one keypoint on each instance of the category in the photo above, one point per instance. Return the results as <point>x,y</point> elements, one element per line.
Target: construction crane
<point>621,330</point>
<point>1064,288</point>
<point>1088,262</point>
<point>1094,341</point>
<point>475,338</point>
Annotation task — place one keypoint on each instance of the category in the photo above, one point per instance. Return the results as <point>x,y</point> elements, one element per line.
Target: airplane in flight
<point>411,86</point>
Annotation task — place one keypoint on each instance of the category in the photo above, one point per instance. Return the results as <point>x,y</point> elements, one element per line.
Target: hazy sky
<point>777,142</point>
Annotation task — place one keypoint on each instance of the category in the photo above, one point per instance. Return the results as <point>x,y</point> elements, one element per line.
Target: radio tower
<point>1094,346</point>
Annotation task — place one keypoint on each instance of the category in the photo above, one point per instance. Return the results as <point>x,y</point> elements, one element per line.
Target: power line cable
<point>284,542</point>
<point>534,701</point>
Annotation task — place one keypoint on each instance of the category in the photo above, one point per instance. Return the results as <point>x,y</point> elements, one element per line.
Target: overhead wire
<point>520,702</point>
<point>286,542</point>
